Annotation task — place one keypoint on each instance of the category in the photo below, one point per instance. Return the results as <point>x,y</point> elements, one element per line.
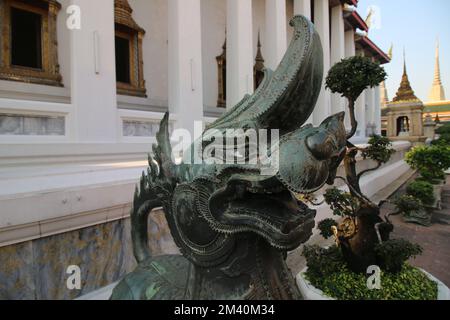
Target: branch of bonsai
<point>354,123</point>
<point>396,213</point>
<point>360,196</point>
<point>377,230</point>
<point>358,177</point>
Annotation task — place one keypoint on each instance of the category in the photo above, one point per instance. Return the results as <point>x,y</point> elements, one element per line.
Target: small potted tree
<point>423,196</point>
<point>362,236</point>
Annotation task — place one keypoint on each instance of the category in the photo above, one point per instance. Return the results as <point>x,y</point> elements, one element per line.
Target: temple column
<point>276,33</point>
<point>185,63</point>
<point>369,111</point>
<point>349,43</point>
<point>350,50</point>
<point>93,74</point>
<point>360,108</point>
<point>360,113</point>
<point>302,7</point>
<point>322,23</point>
<point>239,50</point>
<point>377,110</point>
<point>337,51</point>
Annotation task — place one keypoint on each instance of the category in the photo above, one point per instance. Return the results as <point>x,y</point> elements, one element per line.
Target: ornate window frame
<point>258,72</point>
<point>49,73</point>
<point>126,27</point>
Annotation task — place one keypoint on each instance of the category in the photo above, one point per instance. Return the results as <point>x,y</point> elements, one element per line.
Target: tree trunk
<point>359,251</point>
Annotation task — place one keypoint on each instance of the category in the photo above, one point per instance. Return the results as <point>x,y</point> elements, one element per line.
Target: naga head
<point>210,208</point>
<point>246,201</point>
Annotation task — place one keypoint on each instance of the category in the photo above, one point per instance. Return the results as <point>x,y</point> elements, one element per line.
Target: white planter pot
<point>310,292</point>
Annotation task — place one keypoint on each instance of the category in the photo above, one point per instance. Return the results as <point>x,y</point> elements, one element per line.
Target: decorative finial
<point>390,52</point>
<point>259,59</point>
<point>368,20</point>
<point>405,73</point>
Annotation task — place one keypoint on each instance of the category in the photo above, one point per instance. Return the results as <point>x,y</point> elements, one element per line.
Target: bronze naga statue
<point>232,223</point>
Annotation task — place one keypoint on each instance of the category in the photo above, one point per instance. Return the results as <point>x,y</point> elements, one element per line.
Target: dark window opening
<point>224,82</point>
<point>26,46</point>
<point>402,125</point>
<point>122,60</point>
<point>258,78</point>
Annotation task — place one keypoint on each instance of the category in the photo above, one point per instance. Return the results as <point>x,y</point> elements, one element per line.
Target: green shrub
<point>409,284</point>
<point>422,190</point>
<point>325,227</point>
<point>443,141</point>
<point>444,129</point>
<point>431,161</point>
<point>328,272</point>
<point>353,75</point>
<point>379,149</point>
<point>408,204</point>
<point>323,262</point>
<point>342,203</point>
<point>392,254</point>
<point>444,136</point>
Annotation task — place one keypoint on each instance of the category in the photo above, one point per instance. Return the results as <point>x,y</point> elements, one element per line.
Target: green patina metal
<point>234,225</point>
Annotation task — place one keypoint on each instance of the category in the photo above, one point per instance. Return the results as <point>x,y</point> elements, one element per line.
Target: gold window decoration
<point>129,60</point>
<point>222,77</point>
<point>28,41</point>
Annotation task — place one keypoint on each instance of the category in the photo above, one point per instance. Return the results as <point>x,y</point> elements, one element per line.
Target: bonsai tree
<point>430,161</point>
<point>361,233</point>
<point>444,136</point>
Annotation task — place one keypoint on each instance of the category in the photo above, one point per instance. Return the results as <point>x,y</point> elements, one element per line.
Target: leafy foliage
<point>342,203</point>
<point>322,262</point>
<point>392,254</point>
<point>422,190</point>
<point>408,204</point>
<point>327,271</point>
<point>325,227</point>
<point>342,284</point>
<point>445,129</point>
<point>430,161</point>
<point>379,149</point>
<point>353,75</point>
<point>444,136</point>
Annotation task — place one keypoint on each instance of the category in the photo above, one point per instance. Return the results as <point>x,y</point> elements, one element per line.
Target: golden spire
<point>437,90</point>
<point>405,92</point>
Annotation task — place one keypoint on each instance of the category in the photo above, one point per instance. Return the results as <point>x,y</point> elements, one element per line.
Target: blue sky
<point>415,25</point>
